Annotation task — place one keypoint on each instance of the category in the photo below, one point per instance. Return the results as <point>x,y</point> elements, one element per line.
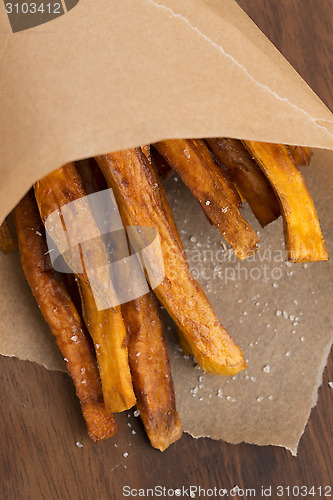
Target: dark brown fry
<point>128,174</point>
<point>247,177</point>
<point>7,242</point>
<point>194,164</point>
<point>63,319</point>
<point>91,175</point>
<point>106,326</point>
<point>150,370</point>
<point>301,155</point>
<point>303,235</point>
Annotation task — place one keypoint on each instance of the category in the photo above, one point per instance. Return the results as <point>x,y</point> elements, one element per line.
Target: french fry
<point>7,242</point>
<point>303,235</point>
<point>247,177</point>
<point>128,174</point>
<point>105,326</point>
<point>154,169</point>
<point>194,164</point>
<point>148,356</point>
<point>150,370</point>
<point>220,173</point>
<point>62,318</point>
<point>301,155</point>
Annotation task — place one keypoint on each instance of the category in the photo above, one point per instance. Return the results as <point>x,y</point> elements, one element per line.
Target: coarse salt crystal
<point>266,369</point>
<point>78,444</point>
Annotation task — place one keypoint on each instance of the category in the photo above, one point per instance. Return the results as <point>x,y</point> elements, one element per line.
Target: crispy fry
<point>301,155</point>
<point>63,319</point>
<point>148,356</point>
<point>247,177</point>
<point>220,173</point>
<point>164,200</point>
<point>128,174</point>
<point>7,242</point>
<point>303,235</point>
<point>150,370</point>
<point>193,162</point>
<point>154,169</point>
<point>105,326</point>
<point>182,153</point>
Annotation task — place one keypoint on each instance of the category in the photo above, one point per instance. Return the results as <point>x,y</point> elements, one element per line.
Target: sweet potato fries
<point>63,319</point>
<point>128,174</point>
<point>131,366</point>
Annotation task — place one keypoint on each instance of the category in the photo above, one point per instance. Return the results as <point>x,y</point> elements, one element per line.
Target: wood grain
<point>40,417</point>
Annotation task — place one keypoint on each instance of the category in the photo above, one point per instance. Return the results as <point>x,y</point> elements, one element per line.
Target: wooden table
<point>40,417</point>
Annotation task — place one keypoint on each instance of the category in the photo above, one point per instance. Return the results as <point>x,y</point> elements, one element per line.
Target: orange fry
<point>63,319</point>
<point>105,326</point>
<point>303,235</point>
<point>154,169</point>
<point>196,167</point>
<point>128,174</point>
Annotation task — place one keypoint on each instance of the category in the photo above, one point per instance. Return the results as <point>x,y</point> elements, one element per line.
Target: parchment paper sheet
<point>120,74</point>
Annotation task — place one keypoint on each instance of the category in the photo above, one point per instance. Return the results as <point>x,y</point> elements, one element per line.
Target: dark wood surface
<point>40,417</point>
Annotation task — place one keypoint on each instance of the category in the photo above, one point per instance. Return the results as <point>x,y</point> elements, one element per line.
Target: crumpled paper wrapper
<point>121,74</point>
